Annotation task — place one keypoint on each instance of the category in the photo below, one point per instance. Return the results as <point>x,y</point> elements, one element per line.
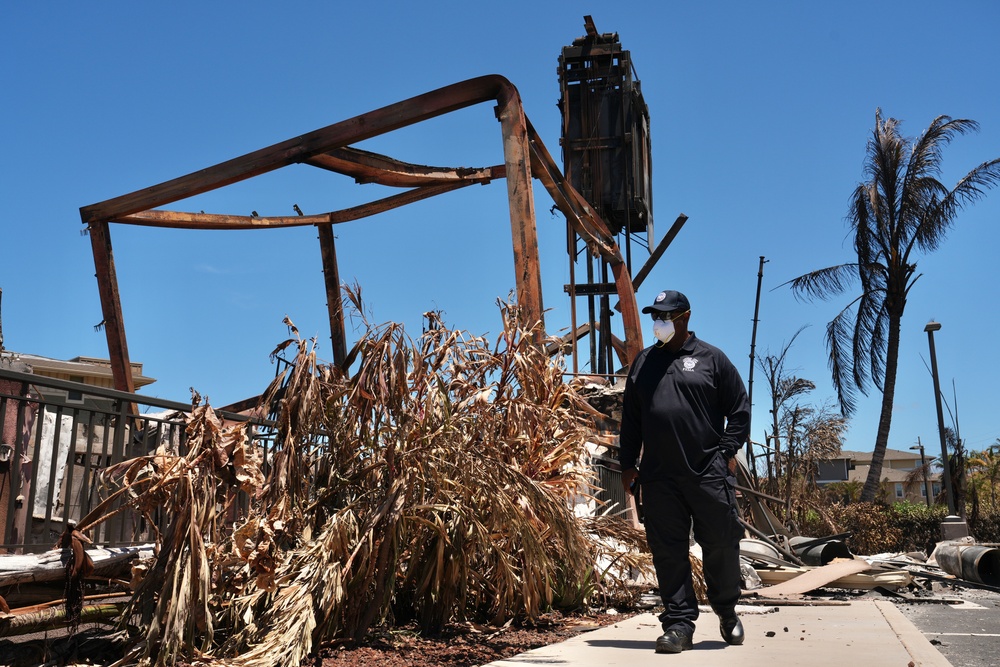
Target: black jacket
<point>682,409</point>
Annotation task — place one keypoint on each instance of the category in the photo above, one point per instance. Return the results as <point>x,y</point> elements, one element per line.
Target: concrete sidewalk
<point>863,633</point>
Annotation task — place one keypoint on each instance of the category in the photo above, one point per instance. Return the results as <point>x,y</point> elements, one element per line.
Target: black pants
<point>670,506</point>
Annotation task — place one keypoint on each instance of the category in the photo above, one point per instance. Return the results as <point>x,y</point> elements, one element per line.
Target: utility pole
<point>930,328</point>
<point>923,465</point>
<point>753,345</point>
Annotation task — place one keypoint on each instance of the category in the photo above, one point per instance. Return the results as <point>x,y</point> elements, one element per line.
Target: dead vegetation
<point>433,484</point>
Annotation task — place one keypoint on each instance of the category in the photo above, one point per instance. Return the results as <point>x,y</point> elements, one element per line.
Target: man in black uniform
<point>686,410</point>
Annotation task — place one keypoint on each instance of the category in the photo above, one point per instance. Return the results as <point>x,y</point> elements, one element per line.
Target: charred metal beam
<point>334,304</point>
<point>184,220</point>
<point>584,329</point>
<point>654,257</point>
<point>590,227</point>
<point>591,288</point>
<point>367,167</point>
<point>394,201</point>
<point>339,135</point>
<point>521,205</point>
<point>111,309</point>
<point>181,220</point>
<point>595,232</point>
<point>300,149</point>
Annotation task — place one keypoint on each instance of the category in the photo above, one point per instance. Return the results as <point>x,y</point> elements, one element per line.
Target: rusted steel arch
<point>524,157</point>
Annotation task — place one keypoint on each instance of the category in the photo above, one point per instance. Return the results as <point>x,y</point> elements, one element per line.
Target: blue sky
<point>759,117</point>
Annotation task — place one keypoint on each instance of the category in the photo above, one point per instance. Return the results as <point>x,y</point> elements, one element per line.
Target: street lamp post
<point>930,329</point>
<point>923,465</point>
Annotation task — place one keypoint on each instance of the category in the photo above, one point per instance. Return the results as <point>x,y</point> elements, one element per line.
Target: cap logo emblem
<point>660,297</point>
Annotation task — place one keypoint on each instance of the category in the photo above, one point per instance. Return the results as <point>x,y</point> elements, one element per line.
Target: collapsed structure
<point>605,194</point>
<point>605,121</point>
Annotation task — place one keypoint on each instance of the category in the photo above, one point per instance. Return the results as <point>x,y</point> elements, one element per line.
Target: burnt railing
<point>59,436</point>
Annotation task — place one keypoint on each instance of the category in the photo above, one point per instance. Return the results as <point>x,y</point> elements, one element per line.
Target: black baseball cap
<point>668,301</point>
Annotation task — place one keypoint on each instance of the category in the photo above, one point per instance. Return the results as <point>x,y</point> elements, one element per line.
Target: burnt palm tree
<point>783,387</point>
<point>901,209</point>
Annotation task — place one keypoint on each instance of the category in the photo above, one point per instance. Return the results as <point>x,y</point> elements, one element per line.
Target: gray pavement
<point>967,634</point>
<point>861,633</point>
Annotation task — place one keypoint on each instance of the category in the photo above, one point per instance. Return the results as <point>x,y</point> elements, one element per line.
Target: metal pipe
<point>786,552</point>
<point>973,563</point>
<point>819,552</point>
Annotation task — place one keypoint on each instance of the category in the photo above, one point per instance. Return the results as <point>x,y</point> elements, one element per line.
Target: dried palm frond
<point>442,487</point>
<point>433,483</point>
<point>173,599</point>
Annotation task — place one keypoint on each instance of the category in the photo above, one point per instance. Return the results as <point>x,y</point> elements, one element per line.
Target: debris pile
<point>434,483</point>
<point>829,564</point>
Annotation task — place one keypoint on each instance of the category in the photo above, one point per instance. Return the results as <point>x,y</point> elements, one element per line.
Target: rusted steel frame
<point>334,303</point>
<point>180,220</point>
<point>654,257</point>
<point>521,207</point>
<point>184,220</point>
<point>107,286</point>
<point>597,235</point>
<point>367,167</point>
<point>581,331</point>
<point>299,149</point>
<point>306,146</point>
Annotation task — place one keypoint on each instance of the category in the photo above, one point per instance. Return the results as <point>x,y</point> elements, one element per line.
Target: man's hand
<point>628,476</point>
<point>732,465</point>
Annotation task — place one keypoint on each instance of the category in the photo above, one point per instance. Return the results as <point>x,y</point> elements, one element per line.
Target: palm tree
<point>783,388</point>
<point>986,468</point>
<point>901,209</point>
<point>812,434</point>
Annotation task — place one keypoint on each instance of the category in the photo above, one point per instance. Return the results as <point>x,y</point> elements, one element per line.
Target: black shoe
<point>674,641</point>
<point>731,628</point>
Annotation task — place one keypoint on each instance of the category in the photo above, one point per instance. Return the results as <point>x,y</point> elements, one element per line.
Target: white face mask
<point>663,331</point>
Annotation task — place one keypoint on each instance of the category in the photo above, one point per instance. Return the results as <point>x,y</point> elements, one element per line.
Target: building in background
<point>56,438</point>
<point>901,480</point>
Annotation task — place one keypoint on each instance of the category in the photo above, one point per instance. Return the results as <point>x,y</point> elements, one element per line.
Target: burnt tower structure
<point>607,158</point>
